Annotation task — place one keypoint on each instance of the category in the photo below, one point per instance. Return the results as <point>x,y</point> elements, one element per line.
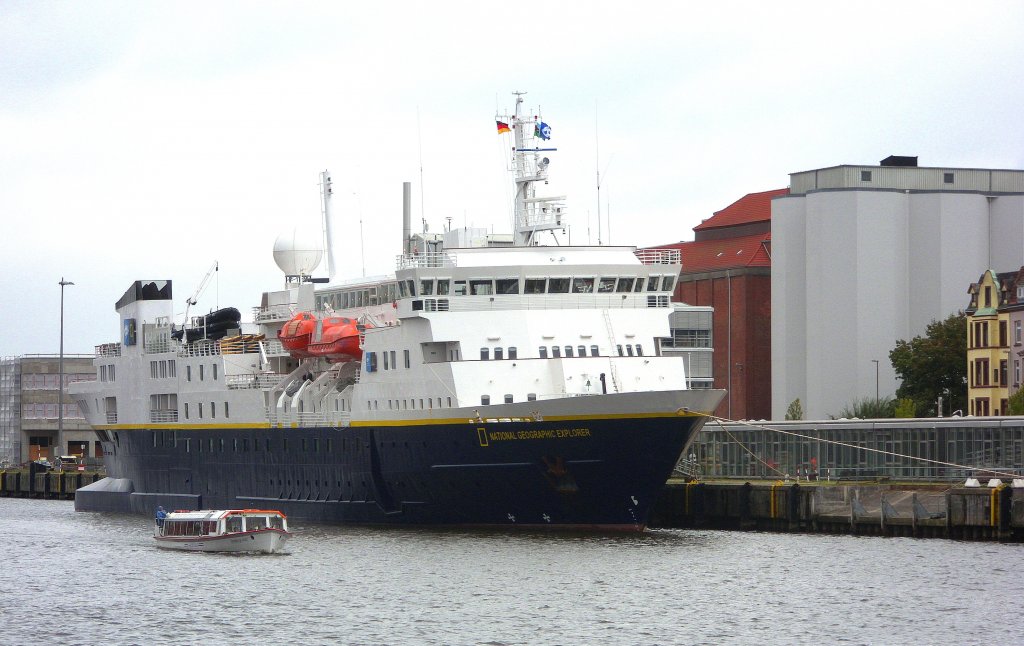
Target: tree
<point>934,366</point>
<point>905,408</point>
<point>795,411</point>
<point>870,408</point>
<point>1016,403</point>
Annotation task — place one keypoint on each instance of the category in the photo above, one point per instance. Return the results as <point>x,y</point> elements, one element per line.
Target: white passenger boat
<point>223,530</point>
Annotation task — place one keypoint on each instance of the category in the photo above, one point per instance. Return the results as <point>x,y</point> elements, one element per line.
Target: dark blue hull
<point>603,473</point>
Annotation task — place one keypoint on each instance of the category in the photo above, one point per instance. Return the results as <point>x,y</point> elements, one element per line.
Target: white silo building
<point>865,255</point>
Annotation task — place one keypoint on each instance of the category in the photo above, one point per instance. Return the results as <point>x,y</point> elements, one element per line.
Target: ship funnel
<point>406,217</point>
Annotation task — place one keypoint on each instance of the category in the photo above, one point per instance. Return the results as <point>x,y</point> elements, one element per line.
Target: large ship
<point>490,381</point>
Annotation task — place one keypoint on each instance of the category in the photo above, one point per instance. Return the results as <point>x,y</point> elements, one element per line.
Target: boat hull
<point>600,471</point>
<point>267,541</point>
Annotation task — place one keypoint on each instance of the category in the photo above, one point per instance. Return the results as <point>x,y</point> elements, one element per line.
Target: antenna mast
<point>532,214</point>
<point>328,223</point>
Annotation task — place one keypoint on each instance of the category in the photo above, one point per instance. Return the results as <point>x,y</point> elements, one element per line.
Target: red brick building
<point>728,266</point>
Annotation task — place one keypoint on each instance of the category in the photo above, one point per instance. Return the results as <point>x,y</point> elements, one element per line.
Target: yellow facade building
<point>988,350</point>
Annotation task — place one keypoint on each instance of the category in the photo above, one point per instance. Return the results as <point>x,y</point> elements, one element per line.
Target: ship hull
<point>601,472</point>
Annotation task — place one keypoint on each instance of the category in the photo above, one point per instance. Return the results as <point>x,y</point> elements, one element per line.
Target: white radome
<point>297,253</point>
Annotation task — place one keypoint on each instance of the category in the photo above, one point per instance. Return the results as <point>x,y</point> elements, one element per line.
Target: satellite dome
<point>297,253</point>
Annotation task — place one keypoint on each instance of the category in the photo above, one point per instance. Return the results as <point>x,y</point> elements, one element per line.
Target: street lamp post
<point>876,378</point>
<point>60,369</point>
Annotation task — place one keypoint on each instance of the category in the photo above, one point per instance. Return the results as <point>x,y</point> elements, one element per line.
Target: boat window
<point>276,522</point>
<point>606,285</point>
<point>556,351</point>
<point>201,366</point>
<point>152,369</point>
<point>481,287</point>
<point>485,354</point>
<point>386,365</point>
<point>507,285</point>
<point>485,400</point>
<point>667,283</point>
<point>449,402</point>
<point>582,285</point>
<point>508,399</point>
<point>200,410</point>
<point>233,524</point>
<point>226,414</point>
<point>426,287</point>
<point>581,350</point>
<point>652,283</point>
<point>568,350</point>
<point>534,286</point>
<point>625,285</point>
<point>594,351</point>
<point>499,353</point>
<point>442,286</point>
<point>558,285</point>
<point>214,372</point>
<point>629,349</point>
<point>460,288</point>
<point>412,287</point>
<point>407,361</point>
<point>213,410</point>
<point>639,286</point>
<point>186,410</point>
<point>639,350</point>
<point>531,397</point>
<point>401,289</point>
<point>619,348</point>
<point>512,353</point>
<point>543,352</point>
<point>394,362</point>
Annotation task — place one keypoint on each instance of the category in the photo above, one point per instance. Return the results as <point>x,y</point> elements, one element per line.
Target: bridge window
<point>667,283</point>
<point>625,285</point>
<point>481,287</point>
<point>629,349</point>
<point>652,283</point>
<point>507,285</point>
<point>558,285</point>
<point>460,288</point>
<point>639,350</point>
<point>582,285</point>
<point>536,286</point>
<point>442,286</point>
<point>426,287</point>
<point>606,285</point>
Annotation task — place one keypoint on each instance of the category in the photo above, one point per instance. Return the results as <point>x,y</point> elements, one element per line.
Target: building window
<point>947,178</point>
<point>1016,332</point>
<point>865,176</point>
<point>1002,373</point>
<point>1016,372</point>
<point>1002,334</point>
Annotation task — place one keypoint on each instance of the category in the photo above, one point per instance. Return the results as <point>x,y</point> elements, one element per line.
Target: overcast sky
<point>143,140</point>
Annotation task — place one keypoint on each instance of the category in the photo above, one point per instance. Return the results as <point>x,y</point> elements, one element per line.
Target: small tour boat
<point>223,530</point>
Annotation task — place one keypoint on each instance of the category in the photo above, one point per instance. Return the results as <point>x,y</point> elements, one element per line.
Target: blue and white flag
<point>543,131</point>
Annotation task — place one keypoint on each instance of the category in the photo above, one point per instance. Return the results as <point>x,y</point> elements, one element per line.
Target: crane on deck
<point>214,268</point>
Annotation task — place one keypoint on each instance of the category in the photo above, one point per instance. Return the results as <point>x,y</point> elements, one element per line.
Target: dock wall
<point>925,511</point>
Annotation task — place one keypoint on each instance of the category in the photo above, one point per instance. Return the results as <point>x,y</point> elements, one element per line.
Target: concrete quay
<point>923,510</point>
<point>40,483</point>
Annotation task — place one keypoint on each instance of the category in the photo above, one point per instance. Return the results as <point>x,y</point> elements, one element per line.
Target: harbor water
<point>89,578</point>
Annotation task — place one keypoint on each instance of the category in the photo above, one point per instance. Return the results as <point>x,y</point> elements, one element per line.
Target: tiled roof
<point>729,253</point>
<point>753,207</point>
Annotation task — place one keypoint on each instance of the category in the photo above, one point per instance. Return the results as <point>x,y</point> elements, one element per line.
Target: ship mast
<point>532,214</point>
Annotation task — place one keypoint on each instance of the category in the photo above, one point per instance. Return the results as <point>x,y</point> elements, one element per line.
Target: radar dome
<point>297,252</point>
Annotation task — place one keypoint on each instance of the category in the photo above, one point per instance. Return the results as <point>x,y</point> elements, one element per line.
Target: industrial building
<point>866,255</point>
<point>32,404</point>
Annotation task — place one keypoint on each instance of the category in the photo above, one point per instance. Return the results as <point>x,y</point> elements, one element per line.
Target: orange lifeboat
<point>296,334</point>
<point>339,340</point>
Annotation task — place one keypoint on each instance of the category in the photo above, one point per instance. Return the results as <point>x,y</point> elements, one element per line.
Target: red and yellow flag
<point>502,128</point>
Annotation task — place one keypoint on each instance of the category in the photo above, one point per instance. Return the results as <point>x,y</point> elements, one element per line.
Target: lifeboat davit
<point>296,334</point>
<point>339,340</point>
